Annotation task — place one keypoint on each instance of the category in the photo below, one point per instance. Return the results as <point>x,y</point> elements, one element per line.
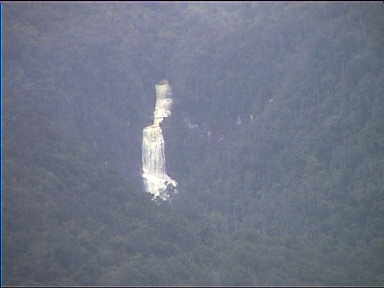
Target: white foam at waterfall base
<point>156,180</point>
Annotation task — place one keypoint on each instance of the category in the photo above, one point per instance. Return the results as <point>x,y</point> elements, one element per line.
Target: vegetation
<point>280,176</point>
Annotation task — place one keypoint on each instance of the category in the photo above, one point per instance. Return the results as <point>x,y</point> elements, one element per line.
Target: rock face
<point>156,180</point>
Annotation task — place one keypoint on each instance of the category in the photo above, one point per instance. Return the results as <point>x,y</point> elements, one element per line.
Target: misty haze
<point>193,143</point>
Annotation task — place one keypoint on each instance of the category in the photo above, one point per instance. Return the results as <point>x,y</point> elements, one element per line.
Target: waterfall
<point>156,180</point>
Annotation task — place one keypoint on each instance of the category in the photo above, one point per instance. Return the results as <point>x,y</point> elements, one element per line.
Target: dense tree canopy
<point>276,140</point>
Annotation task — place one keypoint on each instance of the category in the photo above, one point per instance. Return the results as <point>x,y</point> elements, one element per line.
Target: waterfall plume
<point>156,180</point>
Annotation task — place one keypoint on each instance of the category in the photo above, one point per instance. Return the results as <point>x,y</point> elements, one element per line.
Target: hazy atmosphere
<point>193,143</point>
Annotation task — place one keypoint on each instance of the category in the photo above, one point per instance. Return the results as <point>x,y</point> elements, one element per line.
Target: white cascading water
<point>156,180</point>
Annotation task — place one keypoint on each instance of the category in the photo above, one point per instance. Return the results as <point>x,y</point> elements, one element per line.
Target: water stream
<point>156,180</point>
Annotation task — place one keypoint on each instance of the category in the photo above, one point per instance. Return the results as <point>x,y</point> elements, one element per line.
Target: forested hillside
<point>276,140</point>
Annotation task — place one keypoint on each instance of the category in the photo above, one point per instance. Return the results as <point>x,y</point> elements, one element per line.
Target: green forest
<point>276,140</point>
